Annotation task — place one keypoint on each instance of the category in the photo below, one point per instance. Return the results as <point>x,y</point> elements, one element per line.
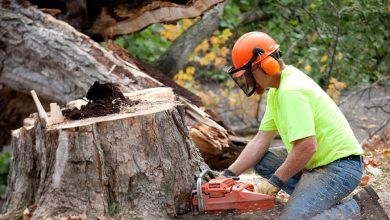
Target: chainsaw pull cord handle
<point>199,187</point>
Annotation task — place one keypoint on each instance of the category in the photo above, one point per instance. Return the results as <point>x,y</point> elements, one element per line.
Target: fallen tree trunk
<point>137,164</point>
<point>102,19</point>
<point>38,52</point>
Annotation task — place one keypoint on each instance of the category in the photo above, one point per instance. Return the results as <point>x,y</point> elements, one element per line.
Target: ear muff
<point>270,66</point>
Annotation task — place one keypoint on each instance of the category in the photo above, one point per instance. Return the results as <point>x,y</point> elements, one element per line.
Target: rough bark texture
<point>135,165</point>
<point>177,54</point>
<point>38,52</point>
<point>127,20</point>
<point>117,17</point>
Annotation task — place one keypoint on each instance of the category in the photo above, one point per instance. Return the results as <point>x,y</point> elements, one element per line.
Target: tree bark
<point>138,164</point>
<point>38,52</point>
<point>172,60</point>
<point>108,19</point>
<point>122,20</point>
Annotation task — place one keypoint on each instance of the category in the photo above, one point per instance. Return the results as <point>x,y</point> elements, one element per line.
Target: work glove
<point>265,187</point>
<point>270,187</point>
<point>230,174</point>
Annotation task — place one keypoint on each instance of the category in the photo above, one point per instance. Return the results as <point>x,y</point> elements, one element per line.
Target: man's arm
<point>253,151</point>
<point>296,160</point>
<point>302,151</point>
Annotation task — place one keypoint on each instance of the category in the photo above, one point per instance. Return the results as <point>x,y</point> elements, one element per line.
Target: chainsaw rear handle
<point>199,187</point>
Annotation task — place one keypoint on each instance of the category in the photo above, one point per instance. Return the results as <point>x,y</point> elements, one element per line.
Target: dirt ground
<point>104,99</point>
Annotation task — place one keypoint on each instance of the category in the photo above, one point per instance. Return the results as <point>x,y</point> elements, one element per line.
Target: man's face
<point>249,77</point>
<point>259,74</point>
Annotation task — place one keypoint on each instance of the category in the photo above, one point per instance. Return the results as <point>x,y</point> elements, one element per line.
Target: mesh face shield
<point>243,76</point>
<point>244,79</point>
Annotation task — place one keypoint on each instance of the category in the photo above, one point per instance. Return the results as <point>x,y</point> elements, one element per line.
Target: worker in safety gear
<point>321,161</point>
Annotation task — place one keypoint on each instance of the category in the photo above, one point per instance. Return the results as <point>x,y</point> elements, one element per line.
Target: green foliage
<point>146,45</point>
<point>230,18</point>
<point>309,30</point>
<point>5,161</point>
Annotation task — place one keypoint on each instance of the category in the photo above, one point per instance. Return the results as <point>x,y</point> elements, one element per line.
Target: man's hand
<point>265,187</point>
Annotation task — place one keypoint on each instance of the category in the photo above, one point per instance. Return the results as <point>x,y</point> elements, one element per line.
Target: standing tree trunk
<point>137,164</point>
<point>172,60</point>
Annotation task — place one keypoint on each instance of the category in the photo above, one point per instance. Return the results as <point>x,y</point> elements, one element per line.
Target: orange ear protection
<point>270,64</point>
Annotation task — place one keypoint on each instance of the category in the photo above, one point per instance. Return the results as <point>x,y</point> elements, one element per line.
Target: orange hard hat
<point>242,51</point>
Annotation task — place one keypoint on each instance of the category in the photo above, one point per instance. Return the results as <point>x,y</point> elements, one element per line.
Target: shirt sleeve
<point>267,122</point>
<point>298,115</point>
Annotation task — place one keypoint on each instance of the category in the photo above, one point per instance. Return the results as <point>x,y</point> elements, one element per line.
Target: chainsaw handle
<point>199,187</point>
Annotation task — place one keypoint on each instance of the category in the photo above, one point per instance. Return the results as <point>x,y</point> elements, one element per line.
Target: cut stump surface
<point>140,164</point>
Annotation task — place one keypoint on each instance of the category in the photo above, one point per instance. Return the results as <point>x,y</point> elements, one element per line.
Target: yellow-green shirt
<point>299,108</point>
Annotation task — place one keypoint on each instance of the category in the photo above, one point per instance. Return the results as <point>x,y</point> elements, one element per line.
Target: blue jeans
<point>316,193</point>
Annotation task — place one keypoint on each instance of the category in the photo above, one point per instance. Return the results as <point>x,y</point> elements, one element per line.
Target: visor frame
<point>248,71</point>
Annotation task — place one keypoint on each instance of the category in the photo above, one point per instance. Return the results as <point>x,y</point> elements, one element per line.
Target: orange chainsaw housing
<point>228,194</point>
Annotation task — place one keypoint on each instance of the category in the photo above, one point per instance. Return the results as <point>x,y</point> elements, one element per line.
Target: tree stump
<point>38,52</point>
<point>137,164</point>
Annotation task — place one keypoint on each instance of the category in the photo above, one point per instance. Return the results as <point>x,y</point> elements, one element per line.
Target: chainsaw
<point>219,194</point>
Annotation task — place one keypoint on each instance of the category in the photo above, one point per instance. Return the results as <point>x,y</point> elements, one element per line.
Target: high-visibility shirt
<point>299,108</point>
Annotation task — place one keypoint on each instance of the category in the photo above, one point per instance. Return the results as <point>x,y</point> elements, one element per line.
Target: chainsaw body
<point>228,194</point>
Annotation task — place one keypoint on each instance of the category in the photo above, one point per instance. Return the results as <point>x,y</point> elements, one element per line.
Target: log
<point>38,52</point>
<point>136,164</point>
<point>116,17</point>
<point>131,21</point>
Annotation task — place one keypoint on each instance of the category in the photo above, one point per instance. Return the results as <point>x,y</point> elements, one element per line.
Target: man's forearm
<point>248,158</point>
<point>296,160</point>
<point>253,152</point>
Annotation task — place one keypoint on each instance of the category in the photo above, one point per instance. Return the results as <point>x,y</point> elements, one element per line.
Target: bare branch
<point>334,50</point>
<point>362,90</point>
<point>380,128</point>
<point>381,107</point>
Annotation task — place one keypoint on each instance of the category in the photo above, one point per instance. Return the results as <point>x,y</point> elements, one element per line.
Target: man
<point>321,162</point>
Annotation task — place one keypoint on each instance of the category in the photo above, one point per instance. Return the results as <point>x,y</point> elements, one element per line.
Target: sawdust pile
<point>103,99</point>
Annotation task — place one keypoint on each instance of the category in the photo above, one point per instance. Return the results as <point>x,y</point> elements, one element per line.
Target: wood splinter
<point>55,115</point>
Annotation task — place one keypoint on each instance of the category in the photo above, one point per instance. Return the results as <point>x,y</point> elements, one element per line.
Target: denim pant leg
<point>319,190</point>
<point>270,162</point>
